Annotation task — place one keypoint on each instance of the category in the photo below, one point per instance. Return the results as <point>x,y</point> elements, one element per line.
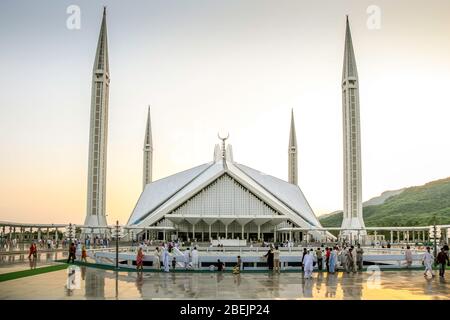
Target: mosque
<point>223,199</point>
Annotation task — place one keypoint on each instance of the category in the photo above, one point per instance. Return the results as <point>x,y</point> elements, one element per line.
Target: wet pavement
<point>19,262</point>
<point>102,284</point>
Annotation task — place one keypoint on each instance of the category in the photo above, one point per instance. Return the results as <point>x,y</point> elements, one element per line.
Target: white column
<point>243,237</point>
<point>259,231</point>
<point>398,236</point>
<point>210,236</point>
<point>392,235</point>
<point>290,235</point>
<point>226,231</point>
<point>193,231</point>
<point>275,234</point>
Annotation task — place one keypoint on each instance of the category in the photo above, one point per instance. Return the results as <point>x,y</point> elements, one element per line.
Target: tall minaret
<point>292,153</point>
<point>148,152</point>
<point>98,136</point>
<point>353,217</point>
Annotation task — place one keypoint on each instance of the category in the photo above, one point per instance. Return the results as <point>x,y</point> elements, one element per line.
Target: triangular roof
<point>163,196</point>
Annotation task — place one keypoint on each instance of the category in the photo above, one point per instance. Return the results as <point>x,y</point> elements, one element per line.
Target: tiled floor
<point>19,262</point>
<point>100,284</point>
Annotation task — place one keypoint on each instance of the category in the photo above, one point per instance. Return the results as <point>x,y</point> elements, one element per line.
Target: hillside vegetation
<point>414,206</point>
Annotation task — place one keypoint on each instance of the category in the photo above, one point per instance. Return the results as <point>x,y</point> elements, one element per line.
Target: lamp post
<point>70,233</point>
<point>117,244</point>
<point>434,236</point>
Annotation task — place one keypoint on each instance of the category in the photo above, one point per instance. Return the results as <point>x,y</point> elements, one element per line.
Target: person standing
<point>140,260</point>
<point>349,263</point>
<point>220,265</point>
<point>276,259</point>
<point>33,251</point>
<point>354,258</point>
<point>156,259</point>
<point>166,256</point>
<point>174,263</point>
<point>319,259</point>
<point>72,250</point>
<point>327,258</point>
<point>427,261</point>
<point>408,256</point>
<point>187,258</point>
<point>443,260</point>
<point>269,256</point>
<point>308,260</point>
<point>194,256</point>
<point>333,259</point>
<point>359,257</point>
<point>305,252</point>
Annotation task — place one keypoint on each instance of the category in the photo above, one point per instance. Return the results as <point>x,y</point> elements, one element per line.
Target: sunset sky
<point>210,65</point>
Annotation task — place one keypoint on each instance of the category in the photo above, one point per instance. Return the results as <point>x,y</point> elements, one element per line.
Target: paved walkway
<point>102,284</point>
<point>18,262</point>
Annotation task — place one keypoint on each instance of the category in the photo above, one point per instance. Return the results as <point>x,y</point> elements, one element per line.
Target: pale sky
<point>218,64</point>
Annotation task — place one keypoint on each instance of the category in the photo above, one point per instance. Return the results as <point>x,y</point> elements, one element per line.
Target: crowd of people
<point>347,258</point>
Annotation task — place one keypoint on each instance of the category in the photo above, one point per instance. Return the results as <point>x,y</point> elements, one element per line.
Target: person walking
<point>276,259</point>
<point>308,261</point>
<point>72,250</point>
<point>359,257</point>
<point>305,252</point>
<point>408,256</point>
<point>237,267</point>
<point>319,259</point>
<point>194,256</point>
<point>83,253</point>
<point>443,260</point>
<point>156,259</point>
<point>427,261</point>
<point>140,260</point>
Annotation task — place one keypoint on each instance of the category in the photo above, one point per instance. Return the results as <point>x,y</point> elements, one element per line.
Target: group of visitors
<point>442,260</point>
<point>165,254</point>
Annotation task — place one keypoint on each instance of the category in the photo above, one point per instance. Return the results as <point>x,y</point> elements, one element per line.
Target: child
<point>174,263</point>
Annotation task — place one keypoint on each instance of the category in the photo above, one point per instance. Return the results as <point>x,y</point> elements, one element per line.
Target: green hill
<point>414,206</point>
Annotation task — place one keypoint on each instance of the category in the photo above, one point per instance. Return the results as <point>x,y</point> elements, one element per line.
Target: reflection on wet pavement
<point>101,284</point>
<point>19,262</point>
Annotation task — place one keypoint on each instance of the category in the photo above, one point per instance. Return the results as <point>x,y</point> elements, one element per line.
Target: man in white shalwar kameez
<point>166,258</point>
<point>187,257</point>
<point>427,261</point>
<point>194,256</point>
<point>308,264</point>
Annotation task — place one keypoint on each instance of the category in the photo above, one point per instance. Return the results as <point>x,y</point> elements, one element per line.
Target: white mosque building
<point>223,199</point>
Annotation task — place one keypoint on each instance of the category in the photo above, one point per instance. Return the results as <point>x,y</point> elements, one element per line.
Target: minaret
<point>292,153</point>
<point>353,218</point>
<point>148,152</point>
<point>98,136</point>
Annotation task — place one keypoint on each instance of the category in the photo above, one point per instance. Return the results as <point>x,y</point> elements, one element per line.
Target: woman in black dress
<point>269,256</point>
